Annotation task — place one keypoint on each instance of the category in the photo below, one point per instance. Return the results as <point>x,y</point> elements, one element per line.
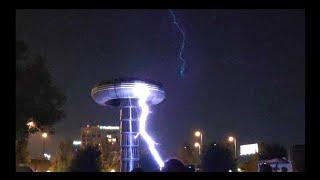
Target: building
<point>76,145</point>
<point>297,156</point>
<point>98,135</point>
<point>277,165</point>
<point>110,134</point>
<point>107,138</point>
<point>90,135</point>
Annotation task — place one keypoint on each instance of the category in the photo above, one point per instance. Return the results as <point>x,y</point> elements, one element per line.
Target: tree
<point>250,163</point>
<point>62,161</point>
<point>87,160</point>
<point>22,154</point>
<point>36,95</point>
<point>110,156</point>
<point>271,151</point>
<point>187,154</point>
<point>217,158</point>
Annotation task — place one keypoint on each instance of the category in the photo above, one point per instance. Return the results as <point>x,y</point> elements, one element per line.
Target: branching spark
<point>142,92</point>
<point>182,67</point>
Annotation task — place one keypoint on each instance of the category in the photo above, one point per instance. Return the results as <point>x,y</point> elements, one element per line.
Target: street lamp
<point>198,134</point>
<point>232,139</point>
<point>44,136</point>
<point>197,145</point>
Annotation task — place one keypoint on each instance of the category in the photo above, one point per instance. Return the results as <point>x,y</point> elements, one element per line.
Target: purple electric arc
<point>121,93</point>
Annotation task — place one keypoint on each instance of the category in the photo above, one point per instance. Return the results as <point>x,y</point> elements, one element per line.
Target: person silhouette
<point>174,165</point>
<point>137,170</point>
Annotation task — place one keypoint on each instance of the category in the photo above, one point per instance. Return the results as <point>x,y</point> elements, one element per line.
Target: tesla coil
<point>122,93</point>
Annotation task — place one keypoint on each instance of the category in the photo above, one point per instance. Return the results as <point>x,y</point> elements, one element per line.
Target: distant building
<point>110,134</point>
<point>98,135</point>
<point>90,135</point>
<point>76,144</point>
<point>297,156</point>
<point>277,165</point>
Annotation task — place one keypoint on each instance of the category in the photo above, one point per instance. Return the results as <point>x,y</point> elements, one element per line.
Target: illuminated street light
<point>44,137</point>
<point>112,170</point>
<point>232,139</point>
<point>197,145</point>
<point>198,134</point>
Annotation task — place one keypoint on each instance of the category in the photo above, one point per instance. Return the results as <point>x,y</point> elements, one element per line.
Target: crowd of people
<point>172,165</point>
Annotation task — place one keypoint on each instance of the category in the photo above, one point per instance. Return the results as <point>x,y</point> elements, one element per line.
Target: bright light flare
<point>76,143</point>
<point>196,144</point>
<point>197,133</point>
<point>109,127</point>
<point>31,124</point>
<point>48,156</point>
<point>231,139</point>
<point>248,149</point>
<point>44,135</point>
<point>142,92</point>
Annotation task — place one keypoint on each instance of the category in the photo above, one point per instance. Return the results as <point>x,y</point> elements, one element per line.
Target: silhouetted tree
<point>87,160</point>
<point>271,151</point>
<point>217,158</point>
<point>250,163</point>
<point>62,161</point>
<point>22,154</point>
<point>110,156</point>
<point>187,154</point>
<point>37,98</point>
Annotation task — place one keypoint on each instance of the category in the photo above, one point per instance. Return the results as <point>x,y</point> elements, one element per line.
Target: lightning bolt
<point>142,92</point>
<point>183,62</point>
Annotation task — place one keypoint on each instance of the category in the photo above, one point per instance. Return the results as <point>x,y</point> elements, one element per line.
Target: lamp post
<point>31,124</point>
<point>44,136</point>
<point>198,134</point>
<point>232,139</point>
<point>197,145</point>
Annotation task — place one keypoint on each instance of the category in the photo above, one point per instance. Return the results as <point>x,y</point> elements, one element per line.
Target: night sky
<point>245,70</point>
